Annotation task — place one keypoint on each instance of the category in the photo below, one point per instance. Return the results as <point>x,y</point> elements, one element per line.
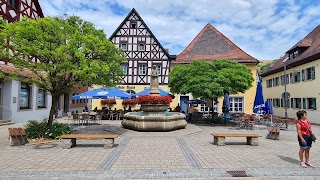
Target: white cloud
<point>263,29</point>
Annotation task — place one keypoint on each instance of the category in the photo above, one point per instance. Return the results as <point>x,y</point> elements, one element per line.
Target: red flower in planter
<point>147,99</point>
<point>108,101</point>
<point>129,102</point>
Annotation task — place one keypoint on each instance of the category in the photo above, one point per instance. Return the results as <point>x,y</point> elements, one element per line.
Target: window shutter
<point>313,73</point>
<point>303,75</point>
<point>291,78</point>
<point>304,103</point>
<point>291,102</point>
<point>314,103</point>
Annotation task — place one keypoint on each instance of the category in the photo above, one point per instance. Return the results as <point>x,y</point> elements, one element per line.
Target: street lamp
<point>285,95</point>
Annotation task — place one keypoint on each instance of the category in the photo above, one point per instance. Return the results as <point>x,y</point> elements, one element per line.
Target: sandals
<point>302,164</point>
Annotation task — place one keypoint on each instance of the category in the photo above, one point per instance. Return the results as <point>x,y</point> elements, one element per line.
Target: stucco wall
<point>302,89</point>
<point>11,92</point>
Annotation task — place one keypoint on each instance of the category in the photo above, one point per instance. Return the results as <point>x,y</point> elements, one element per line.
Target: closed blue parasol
<point>259,104</point>
<point>103,93</point>
<point>226,103</point>
<point>266,108</point>
<point>271,107</point>
<point>147,92</point>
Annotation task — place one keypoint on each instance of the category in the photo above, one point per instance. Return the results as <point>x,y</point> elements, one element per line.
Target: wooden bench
<point>274,133</point>
<point>219,138</point>
<point>17,136</point>
<point>72,142</point>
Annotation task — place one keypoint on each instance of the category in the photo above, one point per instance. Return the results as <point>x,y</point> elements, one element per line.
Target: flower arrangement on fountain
<point>129,102</point>
<point>108,101</point>
<point>147,99</point>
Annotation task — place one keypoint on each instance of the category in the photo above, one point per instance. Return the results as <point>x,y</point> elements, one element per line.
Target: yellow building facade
<point>301,81</point>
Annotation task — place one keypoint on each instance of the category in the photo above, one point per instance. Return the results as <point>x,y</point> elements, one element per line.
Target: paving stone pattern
<point>182,154</point>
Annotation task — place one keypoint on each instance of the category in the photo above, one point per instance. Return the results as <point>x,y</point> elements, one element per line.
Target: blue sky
<point>265,29</point>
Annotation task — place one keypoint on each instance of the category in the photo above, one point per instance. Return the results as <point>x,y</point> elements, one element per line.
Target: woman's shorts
<point>308,142</point>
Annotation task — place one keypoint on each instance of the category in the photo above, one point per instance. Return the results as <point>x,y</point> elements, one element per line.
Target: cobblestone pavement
<point>184,154</point>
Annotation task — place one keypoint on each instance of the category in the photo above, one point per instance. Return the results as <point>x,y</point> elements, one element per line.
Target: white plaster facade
<point>10,108</point>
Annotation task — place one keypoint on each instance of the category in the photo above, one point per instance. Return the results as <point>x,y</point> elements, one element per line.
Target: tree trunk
<point>55,99</point>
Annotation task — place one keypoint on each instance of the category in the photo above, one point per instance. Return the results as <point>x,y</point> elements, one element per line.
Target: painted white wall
<point>11,91</point>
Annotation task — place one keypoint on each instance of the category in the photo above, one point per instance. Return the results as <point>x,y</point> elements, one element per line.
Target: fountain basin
<point>154,121</point>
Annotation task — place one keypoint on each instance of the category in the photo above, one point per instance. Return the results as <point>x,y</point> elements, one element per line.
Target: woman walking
<point>305,142</point>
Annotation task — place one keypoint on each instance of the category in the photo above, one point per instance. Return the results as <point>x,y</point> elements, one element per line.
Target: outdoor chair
<point>69,114</point>
<point>75,118</point>
<point>85,118</point>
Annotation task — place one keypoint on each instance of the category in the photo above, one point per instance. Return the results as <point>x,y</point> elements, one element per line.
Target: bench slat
<point>88,136</point>
<point>16,132</point>
<point>22,132</point>
<point>235,135</point>
<point>11,132</point>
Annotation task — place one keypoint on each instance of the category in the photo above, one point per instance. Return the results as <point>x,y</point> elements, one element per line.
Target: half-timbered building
<point>142,51</point>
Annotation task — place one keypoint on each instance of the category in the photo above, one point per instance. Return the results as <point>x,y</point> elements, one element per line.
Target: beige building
<point>210,45</point>
<point>301,81</point>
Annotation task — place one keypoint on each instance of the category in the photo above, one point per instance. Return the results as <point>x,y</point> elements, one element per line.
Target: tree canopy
<point>70,52</point>
<point>210,79</point>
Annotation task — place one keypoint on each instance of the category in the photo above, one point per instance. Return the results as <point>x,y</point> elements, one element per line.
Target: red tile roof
<point>11,69</point>
<point>312,44</point>
<point>210,44</point>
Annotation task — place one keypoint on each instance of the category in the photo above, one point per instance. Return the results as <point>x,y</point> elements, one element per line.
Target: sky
<point>265,29</point>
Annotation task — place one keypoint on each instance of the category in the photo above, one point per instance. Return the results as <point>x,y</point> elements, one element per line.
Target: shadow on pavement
<point>289,159</point>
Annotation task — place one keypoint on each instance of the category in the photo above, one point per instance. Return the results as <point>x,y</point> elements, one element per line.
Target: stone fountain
<point>154,117</point>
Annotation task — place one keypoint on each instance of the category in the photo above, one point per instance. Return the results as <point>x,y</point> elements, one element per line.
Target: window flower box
<point>108,101</point>
<point>129,102</point>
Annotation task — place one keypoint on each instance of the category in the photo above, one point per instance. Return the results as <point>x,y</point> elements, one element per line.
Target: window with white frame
<point>124,68</point>
<point>158,67</point>
<point>310,73</point>
<point>133,24</point>
<point>236,104</point>
<point>41,98</point>
<point>204,108</point>
<point>24,99</point>
<point>311,103</point>
<point>124,46</point>
<point>141,47</point>
<point>297,103</point>
<point>142,69</point>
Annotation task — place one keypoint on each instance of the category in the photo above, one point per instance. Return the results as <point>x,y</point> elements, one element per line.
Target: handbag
<point>312,136</point>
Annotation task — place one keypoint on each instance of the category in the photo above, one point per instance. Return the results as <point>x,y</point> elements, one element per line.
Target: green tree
<point>70,52</point>
<point>209,80</point>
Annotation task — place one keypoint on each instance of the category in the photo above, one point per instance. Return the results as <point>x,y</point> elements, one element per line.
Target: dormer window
<point>133,25</point>
<point>124,46</point>
<point>294,54</point>
<point>141,47</point>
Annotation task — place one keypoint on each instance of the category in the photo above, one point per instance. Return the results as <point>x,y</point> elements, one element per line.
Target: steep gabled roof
<point>312,44</point>
<point>133,11</point>
<point>210,44</point>
<point>39,10</point>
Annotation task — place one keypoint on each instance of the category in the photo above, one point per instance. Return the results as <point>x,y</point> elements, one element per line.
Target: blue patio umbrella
<point>226,103</point>
<point>271,107</point>
<point>258,105</point>
<point>147,92</point>
<point>266,108</point>
<point>103,93</point>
